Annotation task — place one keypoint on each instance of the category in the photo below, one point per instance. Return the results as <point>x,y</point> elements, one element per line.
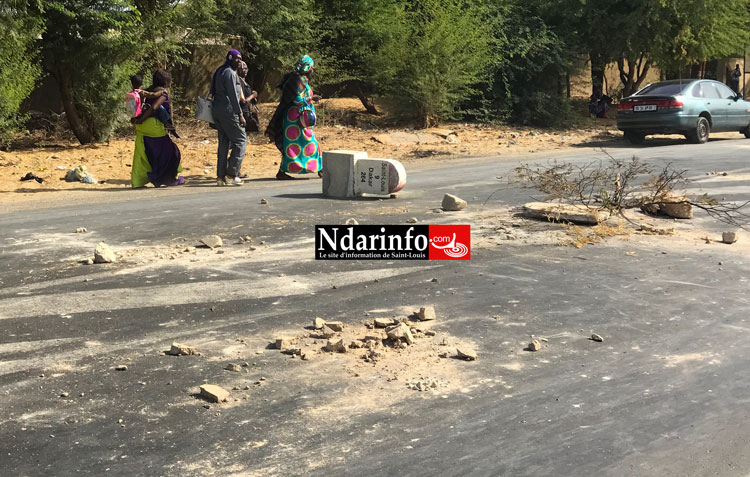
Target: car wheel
<point>700,134</point>
<point>635,137</point>
<point>746,131</point>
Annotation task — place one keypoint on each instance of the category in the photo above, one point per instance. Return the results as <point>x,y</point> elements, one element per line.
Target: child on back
<point>140,100</point>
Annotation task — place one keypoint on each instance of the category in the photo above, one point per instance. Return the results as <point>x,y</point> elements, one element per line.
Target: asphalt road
<point>666,393</point>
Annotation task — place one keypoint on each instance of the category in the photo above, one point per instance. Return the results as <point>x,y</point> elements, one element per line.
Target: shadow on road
<point>608,142</point>
<point>321,196</point>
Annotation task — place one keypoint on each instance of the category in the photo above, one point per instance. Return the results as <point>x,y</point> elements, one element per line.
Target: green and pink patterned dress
<point>301,153</point>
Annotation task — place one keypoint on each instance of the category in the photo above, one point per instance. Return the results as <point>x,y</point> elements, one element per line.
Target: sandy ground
<point>345,126</point>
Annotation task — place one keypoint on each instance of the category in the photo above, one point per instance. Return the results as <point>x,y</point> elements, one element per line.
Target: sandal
<point>178,181</point>
<point>220,181</point>
<point>283,176</point>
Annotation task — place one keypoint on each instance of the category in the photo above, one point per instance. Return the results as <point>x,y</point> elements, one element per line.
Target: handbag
<point>203,109</point>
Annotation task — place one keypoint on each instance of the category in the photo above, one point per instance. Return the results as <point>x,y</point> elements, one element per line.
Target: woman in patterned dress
<point>291,127</point>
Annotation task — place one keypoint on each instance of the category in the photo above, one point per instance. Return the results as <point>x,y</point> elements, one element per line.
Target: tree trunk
<point>81,130</point>
<point>633,76</point>
<point>368,104</point>
<point>642,75</point>
<point>598,65</point>
<point>366,100</point>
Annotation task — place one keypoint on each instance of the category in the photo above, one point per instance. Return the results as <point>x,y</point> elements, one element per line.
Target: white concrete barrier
<point>352,174</point>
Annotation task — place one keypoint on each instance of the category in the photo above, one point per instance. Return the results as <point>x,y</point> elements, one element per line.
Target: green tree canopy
<point>20,25</point>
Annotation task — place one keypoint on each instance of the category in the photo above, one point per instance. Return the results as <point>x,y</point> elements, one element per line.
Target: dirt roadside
<point>345,126</point>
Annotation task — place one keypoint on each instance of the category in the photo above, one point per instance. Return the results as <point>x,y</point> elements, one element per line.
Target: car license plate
<point>645,107</point>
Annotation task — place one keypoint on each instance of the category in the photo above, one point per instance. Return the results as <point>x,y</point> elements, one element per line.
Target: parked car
<point>690,107</point>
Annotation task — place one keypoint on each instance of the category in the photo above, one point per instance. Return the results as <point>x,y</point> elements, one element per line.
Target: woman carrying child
<point>156,158</point>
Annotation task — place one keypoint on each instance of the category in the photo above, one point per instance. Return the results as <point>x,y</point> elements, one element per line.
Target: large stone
<point>426,313</point>
<point>729,237</point>
<point>678,207</point>
<point>104,254</point>
<point>577,214</point>
<point>466,353</point>
<point>336,346</point>
<point>178,349</point>
<point>384,322</point>
<point>335,325</point>
<point>214,393</point>
<point>535,345</point>
<point>400,332</point>
<point>283,343</point>
<point>212,241</point>
<point>319,323</point>
<point>453,203</point>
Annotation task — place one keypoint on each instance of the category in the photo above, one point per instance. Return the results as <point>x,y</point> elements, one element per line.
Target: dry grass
<point>583,235</point>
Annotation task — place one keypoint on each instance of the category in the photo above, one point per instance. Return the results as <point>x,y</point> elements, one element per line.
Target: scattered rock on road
<point>400,332</point>
<point>453,203</point>
<point>467,354</point>
<point>535,345</point>
<point>81,230</point>
<point>426,313</point>
<point>335,325</point>
<point>283,343</point>
<point>319,323</point>
<point>214,393</point>
<point>121,367</point>
<point>678,207</point>
<point>104,254</point>
<point>729,237</point>
<point>212,241</point>
<point>384,322</point>
<point>595,337</point>
<point>351,222</point>
<point>233,367</point>
<point>336,346</point>
<point>412,220</point>
<point>178,349</point>
<point>263,201</point>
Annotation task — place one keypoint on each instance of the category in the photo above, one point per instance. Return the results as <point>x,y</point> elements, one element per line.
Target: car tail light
<point>675,104</point>
<point>625,106</point>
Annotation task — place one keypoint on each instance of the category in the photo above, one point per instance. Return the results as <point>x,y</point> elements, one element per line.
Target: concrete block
<point>338,172</point>
<point>379,176</point>
<point>352,174</point>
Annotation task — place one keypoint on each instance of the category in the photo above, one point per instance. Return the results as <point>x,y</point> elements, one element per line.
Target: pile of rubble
<point>370,342</point>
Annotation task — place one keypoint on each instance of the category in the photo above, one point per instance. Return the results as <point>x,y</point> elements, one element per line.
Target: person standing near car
<point>229,120</point>
<point>735,78</point>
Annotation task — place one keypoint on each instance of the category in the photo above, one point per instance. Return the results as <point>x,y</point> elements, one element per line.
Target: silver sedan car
<point>693,108</point>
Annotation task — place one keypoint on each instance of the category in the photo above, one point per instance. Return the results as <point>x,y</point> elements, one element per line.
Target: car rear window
<point>662,89</point>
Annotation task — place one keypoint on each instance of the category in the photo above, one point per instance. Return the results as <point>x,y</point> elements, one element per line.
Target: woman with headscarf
<point>229,120</point>
<point>156,158</point>
<point>249,101</point>
<point>291,127</point>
